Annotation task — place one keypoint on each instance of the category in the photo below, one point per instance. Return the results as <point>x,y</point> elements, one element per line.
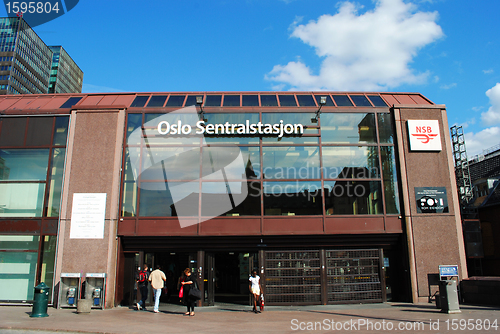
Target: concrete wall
<point>93,165</point>
<point>433,238</point>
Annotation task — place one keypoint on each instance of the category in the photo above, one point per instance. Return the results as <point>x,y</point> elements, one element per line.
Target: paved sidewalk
<point>228,318</point>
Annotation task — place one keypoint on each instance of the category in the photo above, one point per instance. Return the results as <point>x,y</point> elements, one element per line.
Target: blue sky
<point>448,50</point>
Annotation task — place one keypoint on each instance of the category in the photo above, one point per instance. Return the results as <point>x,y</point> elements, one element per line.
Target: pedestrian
<point>255,289</point>
<point>142,282</point>
<point>187,284</point>
<point>157,278</point>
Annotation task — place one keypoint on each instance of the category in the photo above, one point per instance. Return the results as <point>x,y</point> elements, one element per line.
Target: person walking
<point>255,289</point>
<point>142,282</point>
<point>157,278</point>
<point>187,284</point>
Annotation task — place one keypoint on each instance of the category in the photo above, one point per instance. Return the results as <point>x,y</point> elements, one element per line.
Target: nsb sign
<point>424,135</point>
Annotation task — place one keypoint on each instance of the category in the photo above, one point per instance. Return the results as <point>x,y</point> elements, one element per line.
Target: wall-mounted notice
<point>431,199</point>
<point>87,216</point>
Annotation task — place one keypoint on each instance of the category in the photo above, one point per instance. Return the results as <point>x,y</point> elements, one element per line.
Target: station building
<point>333,197</point>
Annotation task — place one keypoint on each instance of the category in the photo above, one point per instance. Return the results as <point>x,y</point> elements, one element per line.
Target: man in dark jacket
<point>142,281</point>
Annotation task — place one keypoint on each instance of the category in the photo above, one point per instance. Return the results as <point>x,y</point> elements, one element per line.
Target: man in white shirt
<point>255,289</point>
<point>157,278</point>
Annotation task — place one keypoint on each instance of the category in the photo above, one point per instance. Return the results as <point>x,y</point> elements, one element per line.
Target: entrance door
<point>226,277</point>
<point>209,277</point>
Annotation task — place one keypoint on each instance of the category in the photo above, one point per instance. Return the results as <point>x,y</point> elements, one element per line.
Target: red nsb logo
<point>423,133</point>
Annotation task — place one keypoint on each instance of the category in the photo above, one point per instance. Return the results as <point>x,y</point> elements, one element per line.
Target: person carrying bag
<point>189,284</point>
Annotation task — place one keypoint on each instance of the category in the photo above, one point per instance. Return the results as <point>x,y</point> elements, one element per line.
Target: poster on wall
<point>431,199</point>
<point>87,216</point>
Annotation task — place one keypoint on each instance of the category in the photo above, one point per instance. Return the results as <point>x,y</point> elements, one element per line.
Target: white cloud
<point>492,116</point>
<point>489,71</point>
<point>368,51</point>
<point>452,85</point>
<point>484,139</point>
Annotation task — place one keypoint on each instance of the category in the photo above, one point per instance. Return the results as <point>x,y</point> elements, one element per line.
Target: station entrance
<point>224,278</point>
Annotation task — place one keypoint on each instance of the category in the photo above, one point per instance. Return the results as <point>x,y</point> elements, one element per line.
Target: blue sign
<point>448,271</point>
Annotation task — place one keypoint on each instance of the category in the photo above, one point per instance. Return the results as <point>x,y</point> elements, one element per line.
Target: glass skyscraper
<point>27,64</point>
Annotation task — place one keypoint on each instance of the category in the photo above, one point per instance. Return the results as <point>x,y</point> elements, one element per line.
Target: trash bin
<point>448,296</point>
<point>41,301</point>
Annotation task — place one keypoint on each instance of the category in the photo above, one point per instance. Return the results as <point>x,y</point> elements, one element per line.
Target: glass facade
<point>32,155</point>
<point>342,165</point>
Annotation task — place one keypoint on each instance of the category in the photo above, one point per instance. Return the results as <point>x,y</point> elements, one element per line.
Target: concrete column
<point>93,164</point>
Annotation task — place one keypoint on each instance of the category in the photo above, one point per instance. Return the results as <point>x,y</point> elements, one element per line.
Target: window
<point>287,101</point>
<point>231,100</point>
<point>292,198</point>
<point>268,101</point>
<point>342,101</point>
<point>157,101</point>
<point>175,101</point>
<point>348,128</point>
<point>306,101</point>
<point>139,101</point>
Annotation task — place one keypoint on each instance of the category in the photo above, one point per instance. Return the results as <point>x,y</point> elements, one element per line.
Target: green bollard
<point>41,301</point>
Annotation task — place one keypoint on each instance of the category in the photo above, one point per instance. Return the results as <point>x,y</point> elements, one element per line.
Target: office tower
<point>26,62</point>
<point>65,75</point>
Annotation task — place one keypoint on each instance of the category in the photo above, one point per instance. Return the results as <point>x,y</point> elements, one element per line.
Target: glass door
<point>209,278</point>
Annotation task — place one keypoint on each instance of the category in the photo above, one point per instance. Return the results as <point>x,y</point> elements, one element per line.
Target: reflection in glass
<point>292,198</point>
<point>385,128</point>
<point>352,162</point>
<point>21,199</point>
<point>348,128</point>
<point>214,159</point>
<point>39,131</point>
<point>230,199</point>
<point>390,174</point>
<point>21,242</point>
<point>291,118</point>
<point>55,182</point>
<point>61,130</point>
<point>48,260</point>
<point>170,163</point>
<point>295,162</point>
<point>353,197</point>
<point>159,203</point>
<point>134,121</point>
<point>219,118</point>
<point>129,202</point>
<point>24,164</point>
<point>18,272</point>
<point>129,173</point>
